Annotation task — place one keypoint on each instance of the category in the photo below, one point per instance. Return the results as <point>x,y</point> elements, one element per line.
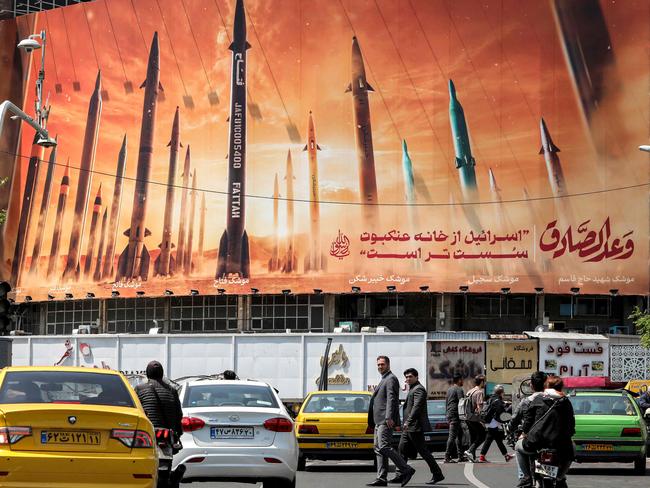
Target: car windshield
<point>65,387</point>
<point>602,405</point>
<point>228,395</point>
<point>436,407</point>
<point>337,403</point>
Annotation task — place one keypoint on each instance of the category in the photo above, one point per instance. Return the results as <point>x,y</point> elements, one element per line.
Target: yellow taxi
<point>73,427</point>
<point>334,425</point>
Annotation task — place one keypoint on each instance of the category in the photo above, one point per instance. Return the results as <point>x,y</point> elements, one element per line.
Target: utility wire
<point>67,38</point>
<point>117,45</point>
<point>266,60</point>
<point>49,36</point>
<point>171,44</point>
<point>339,202</point>
<point>366,63</point>
<point>196,45</point>
<point>90,34</point>
<point>137,21</point>
<point>417,95</point>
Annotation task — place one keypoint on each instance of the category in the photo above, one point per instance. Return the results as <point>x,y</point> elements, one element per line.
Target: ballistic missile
<point>553,165</point>
<point>182,224</point>
<point>359,87</point>
<point>187,264</point>
<point>89,147</point>
<point>60,211</point>
<point>164,264</point>
<point>97,276</point>
<point>42,217</point>
<point>274,264</point>
<point>199,261</point>
<point>233,246</point>
<point>115,213</point>
<point>409,192</point>
<point>134,260</point>
<point>289,265</point>
<point>29,194</point>
<point>314,261</point>
<point>465,162</point>
<point>90,249</point>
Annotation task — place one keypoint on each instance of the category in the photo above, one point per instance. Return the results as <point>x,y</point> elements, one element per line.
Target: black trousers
<point>497,436</point>
<point>476,434</point>
<point>455,440</point>
<point>416,441</point>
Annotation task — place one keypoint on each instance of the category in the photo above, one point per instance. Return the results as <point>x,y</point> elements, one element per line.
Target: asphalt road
<point>350,474</point>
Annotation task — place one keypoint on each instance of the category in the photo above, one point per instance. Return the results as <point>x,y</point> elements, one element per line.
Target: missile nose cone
<point>404,146</point>
<point>493,181</point>
<point>452,90</point>
<point>154,53</point>
<point>547,141</point>
<point>98,81</point>
<point>239,27</point>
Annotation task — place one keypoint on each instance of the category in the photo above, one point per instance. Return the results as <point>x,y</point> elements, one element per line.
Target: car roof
<point>599,392</point>
<point>338,392</point>
<point>206,382</point>
<point>61,369</point>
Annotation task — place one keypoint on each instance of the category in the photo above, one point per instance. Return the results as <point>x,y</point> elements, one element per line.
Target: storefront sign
<point>444,359</point>
<point>574,357</point>
<point>507,359</point>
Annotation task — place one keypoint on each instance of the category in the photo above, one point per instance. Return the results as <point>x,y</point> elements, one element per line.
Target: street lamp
<point>42,111</point>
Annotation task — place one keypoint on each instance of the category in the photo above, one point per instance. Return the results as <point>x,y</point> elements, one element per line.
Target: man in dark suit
<point>383,415</point>
<point>416,423</point>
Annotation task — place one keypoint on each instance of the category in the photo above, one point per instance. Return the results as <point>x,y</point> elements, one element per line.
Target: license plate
<point>546,470</point>
<point>342,445</point>
<point>70,437</point>
<point>599,447</point>
<point>232,432</point>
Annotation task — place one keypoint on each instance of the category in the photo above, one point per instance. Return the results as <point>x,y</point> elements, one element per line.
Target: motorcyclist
<point>162,406</point>
<point>644,401</point>
<point>537,381</point>
<point>556,435</point>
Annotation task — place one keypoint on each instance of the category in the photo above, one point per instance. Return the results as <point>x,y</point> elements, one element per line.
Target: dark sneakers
<point>406,477</point>
<point>435,479</point>
<point>377,482</point>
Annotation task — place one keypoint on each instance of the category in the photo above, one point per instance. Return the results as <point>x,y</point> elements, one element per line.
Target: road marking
<point>469,474</point>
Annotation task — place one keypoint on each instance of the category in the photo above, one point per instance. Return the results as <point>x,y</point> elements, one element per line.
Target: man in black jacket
<point>555,432</point>
<point>455,439</point>
<point>416,423</point>
<point>160,401</point>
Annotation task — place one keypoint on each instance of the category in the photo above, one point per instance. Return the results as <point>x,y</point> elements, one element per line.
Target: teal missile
<point>407,168</point>
<point>465,162</point>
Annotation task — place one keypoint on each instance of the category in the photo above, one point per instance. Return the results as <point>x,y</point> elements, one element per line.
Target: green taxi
<point>610,428</point>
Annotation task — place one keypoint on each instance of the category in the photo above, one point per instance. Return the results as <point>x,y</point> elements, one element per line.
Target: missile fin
<point>541,151</point>
<point>223,255</point>
<point>121,264</point>
<point>349,88</point>
<point>127,232</point>
<point>369,87</point>
<point>304,148</point>
<point>160,87</point>
<point>318,148</point>
<point>245,258</point>
<point>145,258</point>
<point>147,232</point>
<point>144,83</point>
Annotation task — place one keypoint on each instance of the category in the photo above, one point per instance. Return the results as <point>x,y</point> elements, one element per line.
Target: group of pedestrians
<point>484,423</point>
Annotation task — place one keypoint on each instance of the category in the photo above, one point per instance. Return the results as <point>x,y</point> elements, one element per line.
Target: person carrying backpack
<point>455,440</point>
<point>549,423</point>
<point>472,407</point>
<point>490,415</point>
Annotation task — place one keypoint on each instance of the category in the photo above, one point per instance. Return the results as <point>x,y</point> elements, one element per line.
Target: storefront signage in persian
<point>574,357</point>
<point>444,359</point>
<point>507,359</point>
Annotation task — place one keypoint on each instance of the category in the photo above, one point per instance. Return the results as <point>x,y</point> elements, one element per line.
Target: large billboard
<point>331,144</point>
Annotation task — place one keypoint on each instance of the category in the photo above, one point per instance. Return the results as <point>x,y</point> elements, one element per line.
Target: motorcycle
<point>164,441</point>
<point>546,468</point>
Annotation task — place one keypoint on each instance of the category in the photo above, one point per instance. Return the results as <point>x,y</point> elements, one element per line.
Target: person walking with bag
<point>490,414</point>
<point>383,415</point>
<point>455,440</point>
<point>474,403</point>
<point>416,423</point>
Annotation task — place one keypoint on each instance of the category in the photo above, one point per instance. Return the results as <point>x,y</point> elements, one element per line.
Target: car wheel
<point>276,483</point>
<point>302,463</point>
<point>640,466</point>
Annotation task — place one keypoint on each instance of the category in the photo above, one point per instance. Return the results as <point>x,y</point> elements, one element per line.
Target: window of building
<point>134,315</point>
<point>585,306</point>
<point>65,315</point>
<point>199,313</point>
<point>282,312</point>
<point>28,317</point>
<point>495,306</point>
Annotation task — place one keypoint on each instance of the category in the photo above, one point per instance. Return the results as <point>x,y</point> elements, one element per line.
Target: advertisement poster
<point>329,144</point>
<point>574,357</point>
<point>507,359</point>
<point>445,359</point>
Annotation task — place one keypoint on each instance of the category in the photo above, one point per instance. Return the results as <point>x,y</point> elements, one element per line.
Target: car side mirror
<point>647,414</point>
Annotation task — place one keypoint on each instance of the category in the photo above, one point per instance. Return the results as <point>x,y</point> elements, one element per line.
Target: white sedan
<point>237,431</point>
